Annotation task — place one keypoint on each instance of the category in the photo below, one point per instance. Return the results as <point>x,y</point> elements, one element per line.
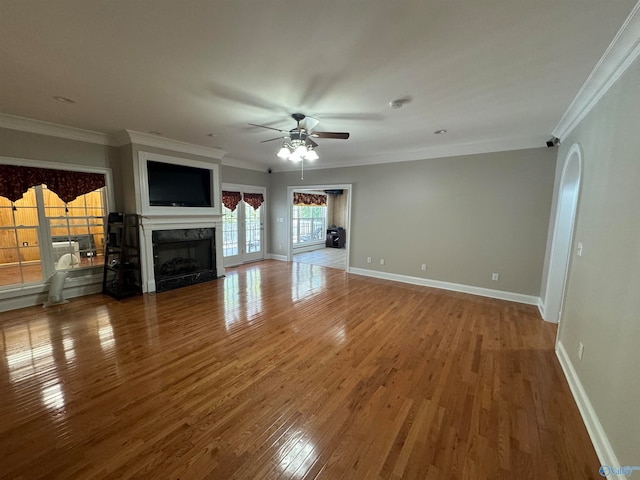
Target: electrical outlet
<point>280,246</point>
<point>368,259</point>
<point>580,350</point>
<point>495,277</point>
<point>424,267</point>
<point>25,244</point>
<point>382,261</point>
<point>579,249</point>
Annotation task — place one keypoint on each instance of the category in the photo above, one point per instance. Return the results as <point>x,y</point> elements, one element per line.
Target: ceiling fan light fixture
<point>301,150</point>
<point>284,152</point>
<point>298,145</point>
<point>311,155</point>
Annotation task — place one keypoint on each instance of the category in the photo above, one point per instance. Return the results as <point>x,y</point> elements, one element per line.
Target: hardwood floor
<point>290,371</point>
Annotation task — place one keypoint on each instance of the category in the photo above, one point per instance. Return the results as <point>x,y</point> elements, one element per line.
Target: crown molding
<point>117,139</point>
<point>621,53</point>
<point>30,125</point>
<point>149,140</point>
<point>441,151</point>
<point>232,162</point>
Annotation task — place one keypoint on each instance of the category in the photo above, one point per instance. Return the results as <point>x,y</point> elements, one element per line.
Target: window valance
<point>309,199</point>
<point>16,180</point>
<point>253,199</point>
<point>231,199</point>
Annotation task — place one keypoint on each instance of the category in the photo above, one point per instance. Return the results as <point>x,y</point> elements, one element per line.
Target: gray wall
<point>602,304</point>
<point>245,177</point>
<point>465,217</point>
<point>34,146</point>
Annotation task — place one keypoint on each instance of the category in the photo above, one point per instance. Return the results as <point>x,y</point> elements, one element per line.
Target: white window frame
<point>44,232</point>
<point>313,243</point>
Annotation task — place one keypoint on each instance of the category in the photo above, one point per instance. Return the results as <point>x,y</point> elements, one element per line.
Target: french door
<point>243,226</point>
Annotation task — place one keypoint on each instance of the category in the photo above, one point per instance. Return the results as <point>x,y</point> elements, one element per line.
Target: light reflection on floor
<point>53,397</point>
<point>27,349</point>
<point>105,334</point>
<point>296,456</point>
<point>306,280</point>
<point>242,297</point>
<point>42,354</point>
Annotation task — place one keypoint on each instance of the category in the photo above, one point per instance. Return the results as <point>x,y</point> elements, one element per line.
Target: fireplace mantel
<point>150,223</point>
<point>173,218</point>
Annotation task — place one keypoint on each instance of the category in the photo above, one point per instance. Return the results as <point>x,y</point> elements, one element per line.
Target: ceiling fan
<point>301,145</point>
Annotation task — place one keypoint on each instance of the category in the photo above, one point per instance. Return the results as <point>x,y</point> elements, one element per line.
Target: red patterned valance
<point>309,199</point>
<point>231,199</point>
<point>16,180</point>
<point>254,199</point>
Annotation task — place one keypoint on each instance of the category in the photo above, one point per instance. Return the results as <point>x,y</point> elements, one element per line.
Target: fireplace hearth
<point>183,257</point>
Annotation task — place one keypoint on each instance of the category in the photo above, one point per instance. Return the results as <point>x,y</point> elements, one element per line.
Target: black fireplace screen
<point>183,257</point>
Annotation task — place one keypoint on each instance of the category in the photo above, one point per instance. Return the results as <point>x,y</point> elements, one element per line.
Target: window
<point>308,224</point>
<point>20,260</point>
<point>40,228</point>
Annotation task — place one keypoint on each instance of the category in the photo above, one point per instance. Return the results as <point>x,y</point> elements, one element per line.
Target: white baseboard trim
<point>603,448</point>
<point>456,287</point>
<point>541,307</point>
<point>273,256</point>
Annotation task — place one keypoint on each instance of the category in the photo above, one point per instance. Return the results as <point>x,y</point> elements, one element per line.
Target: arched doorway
<point>563,234</point>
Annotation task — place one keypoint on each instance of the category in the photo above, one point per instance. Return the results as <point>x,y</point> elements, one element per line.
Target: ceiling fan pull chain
<point>302,166</point>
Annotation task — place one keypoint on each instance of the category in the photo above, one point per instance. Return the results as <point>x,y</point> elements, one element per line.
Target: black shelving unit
<point>336,238</point>
<point>122,276</point>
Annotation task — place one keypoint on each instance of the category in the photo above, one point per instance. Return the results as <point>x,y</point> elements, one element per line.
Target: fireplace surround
<point>183,257</point>
<point>167,224</point>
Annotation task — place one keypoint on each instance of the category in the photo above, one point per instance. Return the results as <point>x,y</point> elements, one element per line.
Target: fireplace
<point>183,257</point>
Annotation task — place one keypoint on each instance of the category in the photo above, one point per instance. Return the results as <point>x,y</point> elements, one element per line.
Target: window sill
<point>35,294</point>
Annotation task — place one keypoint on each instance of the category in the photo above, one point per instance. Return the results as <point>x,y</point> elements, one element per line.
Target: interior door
<point>243,227</point>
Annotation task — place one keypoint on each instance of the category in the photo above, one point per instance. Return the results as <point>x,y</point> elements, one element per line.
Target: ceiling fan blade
<point>311,142</point>
<point>342,136</point>
<point>272,139</point>
<point>270,128</point>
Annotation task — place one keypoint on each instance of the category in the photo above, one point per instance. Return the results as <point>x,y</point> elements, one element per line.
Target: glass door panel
<point>253,232</point>
<point>230,240</point>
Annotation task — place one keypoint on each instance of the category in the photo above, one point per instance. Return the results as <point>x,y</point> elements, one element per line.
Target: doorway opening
<point>320,225</point>
<point>563,235</point>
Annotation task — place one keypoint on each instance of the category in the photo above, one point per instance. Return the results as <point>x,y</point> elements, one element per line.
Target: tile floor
<point>326,257</point>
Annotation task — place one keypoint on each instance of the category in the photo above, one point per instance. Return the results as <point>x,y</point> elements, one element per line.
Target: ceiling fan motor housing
<point>298,117</point>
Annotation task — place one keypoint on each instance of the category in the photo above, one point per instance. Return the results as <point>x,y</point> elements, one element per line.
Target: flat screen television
<point>173,185</point>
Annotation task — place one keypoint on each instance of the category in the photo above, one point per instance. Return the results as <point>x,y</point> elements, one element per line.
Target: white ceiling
<point>497,74</point>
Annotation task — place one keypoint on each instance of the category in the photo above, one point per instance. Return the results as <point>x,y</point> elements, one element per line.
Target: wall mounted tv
<point>178,185</point>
